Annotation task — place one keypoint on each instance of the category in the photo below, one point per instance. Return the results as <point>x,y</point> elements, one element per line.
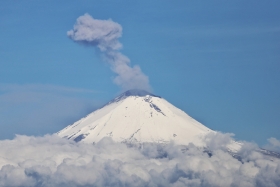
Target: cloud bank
<point>104,35</point>
<point>51,161</point>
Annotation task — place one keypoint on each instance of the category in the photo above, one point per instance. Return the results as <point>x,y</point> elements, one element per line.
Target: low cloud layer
<point>104,35</point>
<point>52,161</point>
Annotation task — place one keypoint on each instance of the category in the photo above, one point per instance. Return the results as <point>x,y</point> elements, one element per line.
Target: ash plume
<point>104,35</point>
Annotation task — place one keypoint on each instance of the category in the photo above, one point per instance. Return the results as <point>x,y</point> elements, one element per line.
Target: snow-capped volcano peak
<point>137,116</point>
<point>133,92</point>
<point>137,92</point>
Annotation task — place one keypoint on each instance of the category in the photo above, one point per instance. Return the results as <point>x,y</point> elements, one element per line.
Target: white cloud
<point>273,145</point>
<point>274,142</point>
<point>104,35</point>
<point>217,140</point>
<point>52,161</point>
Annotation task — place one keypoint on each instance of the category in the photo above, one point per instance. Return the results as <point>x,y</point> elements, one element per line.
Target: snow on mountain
<point>137,116</point>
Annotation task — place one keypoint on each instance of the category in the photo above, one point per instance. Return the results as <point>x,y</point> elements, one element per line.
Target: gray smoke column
<point>104,35</point>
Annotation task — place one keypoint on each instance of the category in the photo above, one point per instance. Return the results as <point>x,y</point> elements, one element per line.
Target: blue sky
<point>218,61</point>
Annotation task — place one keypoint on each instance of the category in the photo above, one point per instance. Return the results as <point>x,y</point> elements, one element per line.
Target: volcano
<point>137,116</point>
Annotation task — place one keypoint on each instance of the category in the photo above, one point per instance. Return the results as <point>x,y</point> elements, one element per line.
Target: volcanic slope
<point>137,116</point>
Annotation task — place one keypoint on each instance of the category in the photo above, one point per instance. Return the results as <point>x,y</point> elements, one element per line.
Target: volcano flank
<point>137,116</point>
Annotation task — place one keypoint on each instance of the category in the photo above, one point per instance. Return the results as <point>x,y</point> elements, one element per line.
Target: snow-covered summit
<point>137,116</point>
<point>137,92</point>
<point>133,92</point>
